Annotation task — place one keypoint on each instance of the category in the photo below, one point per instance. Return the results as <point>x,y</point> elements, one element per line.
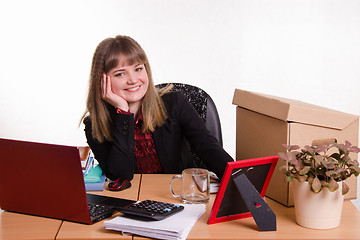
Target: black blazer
<point>117,158</point>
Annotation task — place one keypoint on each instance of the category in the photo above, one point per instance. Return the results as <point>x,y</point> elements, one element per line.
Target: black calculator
<point>150,209</point>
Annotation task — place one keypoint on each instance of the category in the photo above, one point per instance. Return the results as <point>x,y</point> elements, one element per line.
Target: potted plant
<point>320,171</point>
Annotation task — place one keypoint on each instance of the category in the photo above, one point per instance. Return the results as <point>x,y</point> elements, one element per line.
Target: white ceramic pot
<point>317,210</point>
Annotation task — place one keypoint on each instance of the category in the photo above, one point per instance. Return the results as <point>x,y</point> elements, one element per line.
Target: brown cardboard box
<point>264,123</point>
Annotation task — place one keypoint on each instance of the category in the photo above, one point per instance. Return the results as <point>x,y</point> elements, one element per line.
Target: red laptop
<point>47,180</point>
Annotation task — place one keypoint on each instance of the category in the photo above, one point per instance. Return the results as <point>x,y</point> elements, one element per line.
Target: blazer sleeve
<point>202,142</point>
<point>116,158</point>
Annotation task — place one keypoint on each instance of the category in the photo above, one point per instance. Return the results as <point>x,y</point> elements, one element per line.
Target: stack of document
<point>86,159</point>
<point>93,176</point>
<point>94,179</point>
<point>176,226</point>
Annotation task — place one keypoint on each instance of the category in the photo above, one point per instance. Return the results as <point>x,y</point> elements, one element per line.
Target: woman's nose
<point>131,78</point>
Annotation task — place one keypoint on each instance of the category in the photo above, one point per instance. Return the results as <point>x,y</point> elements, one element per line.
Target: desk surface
<point>156,187</point>
<point>21,226</point>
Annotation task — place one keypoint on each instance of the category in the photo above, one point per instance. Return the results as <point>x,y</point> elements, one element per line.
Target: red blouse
<point>147,160</point>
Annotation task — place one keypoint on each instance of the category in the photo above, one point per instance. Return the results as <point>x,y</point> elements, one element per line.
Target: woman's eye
<point>138,69</point>
<point>119,74</point>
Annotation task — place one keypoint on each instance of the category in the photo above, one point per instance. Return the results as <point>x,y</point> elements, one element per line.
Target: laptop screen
<point>42,179</point>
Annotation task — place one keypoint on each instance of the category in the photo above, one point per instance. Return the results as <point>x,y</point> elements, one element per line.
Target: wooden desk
<point>70,230</point>
<point>21,226</point>
<point>156,187</point>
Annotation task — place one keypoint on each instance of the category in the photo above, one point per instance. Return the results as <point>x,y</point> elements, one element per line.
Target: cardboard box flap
<point>292,110</point>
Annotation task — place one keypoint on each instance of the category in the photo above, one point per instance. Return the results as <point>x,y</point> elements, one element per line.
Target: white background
<point>304,50</point>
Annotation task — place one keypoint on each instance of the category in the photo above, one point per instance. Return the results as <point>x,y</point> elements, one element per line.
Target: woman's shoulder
<point>87,120</point>
<point>87,123</point>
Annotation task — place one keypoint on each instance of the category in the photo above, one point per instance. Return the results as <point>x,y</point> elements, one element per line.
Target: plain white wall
<point>305,50</point>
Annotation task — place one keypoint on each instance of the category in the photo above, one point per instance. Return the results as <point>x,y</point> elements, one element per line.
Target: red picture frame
<point>228,204</point>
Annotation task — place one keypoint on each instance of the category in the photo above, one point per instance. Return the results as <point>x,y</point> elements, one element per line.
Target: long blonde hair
<point>105,58</point>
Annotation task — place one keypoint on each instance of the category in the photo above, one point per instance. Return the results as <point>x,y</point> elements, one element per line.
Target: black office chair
<point>205,107</point>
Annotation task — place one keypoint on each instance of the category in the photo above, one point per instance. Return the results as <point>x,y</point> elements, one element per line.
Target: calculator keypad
<point>152,209</point>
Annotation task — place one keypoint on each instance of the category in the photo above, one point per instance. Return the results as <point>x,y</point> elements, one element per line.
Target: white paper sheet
<point>176,226</point>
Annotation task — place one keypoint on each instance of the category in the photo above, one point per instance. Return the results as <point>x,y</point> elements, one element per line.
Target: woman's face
<point>129,81</point>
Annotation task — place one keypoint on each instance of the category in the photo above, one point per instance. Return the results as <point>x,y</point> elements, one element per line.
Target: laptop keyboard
<point>99,211</point>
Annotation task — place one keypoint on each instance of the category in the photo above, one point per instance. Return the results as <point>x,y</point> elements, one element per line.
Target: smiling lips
<point>134,89</point>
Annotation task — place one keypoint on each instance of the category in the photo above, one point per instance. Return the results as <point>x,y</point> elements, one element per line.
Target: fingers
<point>106,90</point>
<point>105,81</point>
<point>108,85</point>
<point>103,85</point>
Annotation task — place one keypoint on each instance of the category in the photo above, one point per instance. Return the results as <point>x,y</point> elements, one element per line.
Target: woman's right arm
<point>116,158</point>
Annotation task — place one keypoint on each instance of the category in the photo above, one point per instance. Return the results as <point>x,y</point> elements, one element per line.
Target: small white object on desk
<point>176,226</point>
<point>214,187</point>
<point>356,203</point>
<point>214,183</point>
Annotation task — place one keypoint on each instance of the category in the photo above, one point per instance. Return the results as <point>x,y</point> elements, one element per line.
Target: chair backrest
<point>206,109</point>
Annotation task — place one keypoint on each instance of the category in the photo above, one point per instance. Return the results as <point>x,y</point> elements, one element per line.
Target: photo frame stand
<point>261,212</point>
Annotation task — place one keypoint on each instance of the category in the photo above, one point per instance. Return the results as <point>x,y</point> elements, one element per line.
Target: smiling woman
<point>120,64</point>
<point>132,127</point>
<point>125,86</point>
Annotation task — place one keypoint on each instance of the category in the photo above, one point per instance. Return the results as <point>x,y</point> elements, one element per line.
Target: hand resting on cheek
<point>109,96</point>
